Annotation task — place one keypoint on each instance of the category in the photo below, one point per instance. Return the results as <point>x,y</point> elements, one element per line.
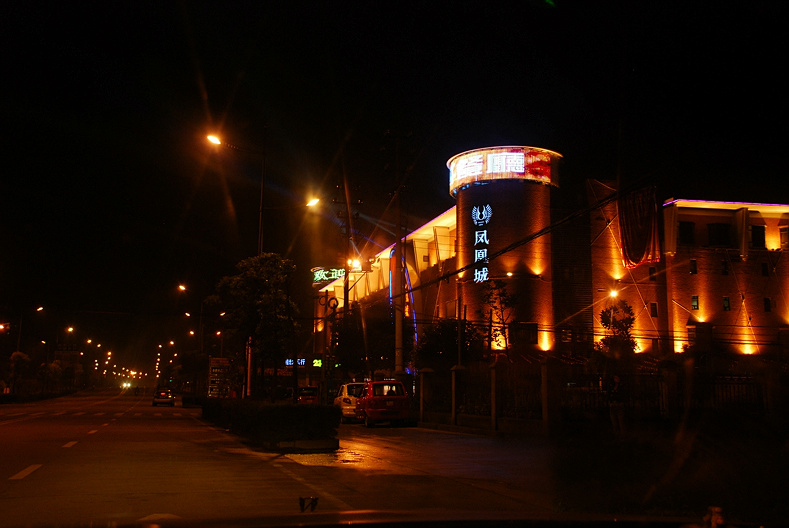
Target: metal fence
<point>518,390</point>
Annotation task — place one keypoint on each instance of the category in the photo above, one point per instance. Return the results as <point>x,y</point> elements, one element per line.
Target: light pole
<point>5,326</point>
<point>216,141</point>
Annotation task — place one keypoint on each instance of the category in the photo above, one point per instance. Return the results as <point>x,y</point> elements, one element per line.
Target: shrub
<point>264,423</point>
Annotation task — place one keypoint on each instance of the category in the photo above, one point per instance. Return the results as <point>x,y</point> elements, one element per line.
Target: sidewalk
<point>664,470</point>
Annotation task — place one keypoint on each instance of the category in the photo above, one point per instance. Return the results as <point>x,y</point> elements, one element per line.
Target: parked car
<point>383,401</point>
<point>308,395</point>
<point>163,397</point>
<point>346,399</point>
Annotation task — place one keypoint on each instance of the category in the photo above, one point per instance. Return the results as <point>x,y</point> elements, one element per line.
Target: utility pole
<point>397,291</point>
<point>347,234</point>
<point>397,272</point>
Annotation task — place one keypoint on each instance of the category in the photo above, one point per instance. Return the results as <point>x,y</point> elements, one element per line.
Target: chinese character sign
<point>481,215</point>
<point>502,163</point>
<point>326,275</point>
<point>301,362</point>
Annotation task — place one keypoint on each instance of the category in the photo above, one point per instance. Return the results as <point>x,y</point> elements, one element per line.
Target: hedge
<point>269,425</point>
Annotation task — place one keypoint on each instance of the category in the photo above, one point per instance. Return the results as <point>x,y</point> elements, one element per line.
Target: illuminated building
<point>727,274</point>
<point>709,273</point>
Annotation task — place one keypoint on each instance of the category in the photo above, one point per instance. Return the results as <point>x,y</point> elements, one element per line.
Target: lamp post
<point>216,141</point>
<point>5,326</point>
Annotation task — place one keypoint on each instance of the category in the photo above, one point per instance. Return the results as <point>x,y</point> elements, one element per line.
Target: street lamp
<point>216,141</point>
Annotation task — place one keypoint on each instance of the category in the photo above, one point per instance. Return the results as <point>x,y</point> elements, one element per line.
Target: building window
<point>652,273</point>
<point>694,269</point>
<point>719,234</point>
<point>694,302</point>
<point>686,233</point>
<point>765,269</point>
<point>724,267</point>
<point>653,309</point>
<point>757,237</point>
<point>784,231</point>
<point>768,304</point>
<point>726,305</point>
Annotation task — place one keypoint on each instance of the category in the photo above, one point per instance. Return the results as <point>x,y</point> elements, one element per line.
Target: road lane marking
<point>93,432</point>
<point>19,419</point>
<point>79,413</point>
<point>70,444</point>
<point>25,472</point>
<point>319,491</point>
<point>59,413</point>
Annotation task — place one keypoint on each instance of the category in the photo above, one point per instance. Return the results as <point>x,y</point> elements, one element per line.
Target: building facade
<point>696,273</point>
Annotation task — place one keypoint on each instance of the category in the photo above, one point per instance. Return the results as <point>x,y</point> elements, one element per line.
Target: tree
<point>20,363</point>
<point>618,320</point>
<point>258,307</point>
<point>499,303</point>
<point>438,345</point>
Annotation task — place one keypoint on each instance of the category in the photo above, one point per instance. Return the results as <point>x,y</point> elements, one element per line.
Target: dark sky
<point>111,196</point>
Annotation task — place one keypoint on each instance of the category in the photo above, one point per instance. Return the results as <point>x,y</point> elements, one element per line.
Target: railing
<point>519,390</point>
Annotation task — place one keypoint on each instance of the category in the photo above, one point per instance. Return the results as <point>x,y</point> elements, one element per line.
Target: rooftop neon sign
<point>502,163</point>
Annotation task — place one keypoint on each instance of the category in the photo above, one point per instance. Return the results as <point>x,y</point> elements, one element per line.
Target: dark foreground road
<point>113,458</point>
<point>109,458</point>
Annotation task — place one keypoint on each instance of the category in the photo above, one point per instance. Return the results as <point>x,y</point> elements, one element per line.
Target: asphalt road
<point>108,457</point>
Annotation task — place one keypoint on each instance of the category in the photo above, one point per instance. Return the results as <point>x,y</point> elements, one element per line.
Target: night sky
<point>111,195</point>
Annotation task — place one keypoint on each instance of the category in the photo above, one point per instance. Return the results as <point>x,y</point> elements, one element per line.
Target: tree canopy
<point>257,304</point>
<point>618,320</point>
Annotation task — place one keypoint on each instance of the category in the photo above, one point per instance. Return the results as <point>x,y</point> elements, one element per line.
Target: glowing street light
<point>216,141</point>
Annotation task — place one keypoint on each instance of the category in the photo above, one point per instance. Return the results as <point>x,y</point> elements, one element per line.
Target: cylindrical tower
<point>503,206</point>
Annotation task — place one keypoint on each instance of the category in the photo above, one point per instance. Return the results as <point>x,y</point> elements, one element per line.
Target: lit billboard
<point>502,163</point>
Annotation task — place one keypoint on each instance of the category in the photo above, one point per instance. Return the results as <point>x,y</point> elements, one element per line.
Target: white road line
<point>59,413</point>
<point>319,491</point>
<point>70,444</point>
<point>25,472</point>
<point>79,413</point>
<point>93,432</point>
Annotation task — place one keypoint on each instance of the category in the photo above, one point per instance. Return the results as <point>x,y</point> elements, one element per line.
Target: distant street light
<point>216,141</point>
